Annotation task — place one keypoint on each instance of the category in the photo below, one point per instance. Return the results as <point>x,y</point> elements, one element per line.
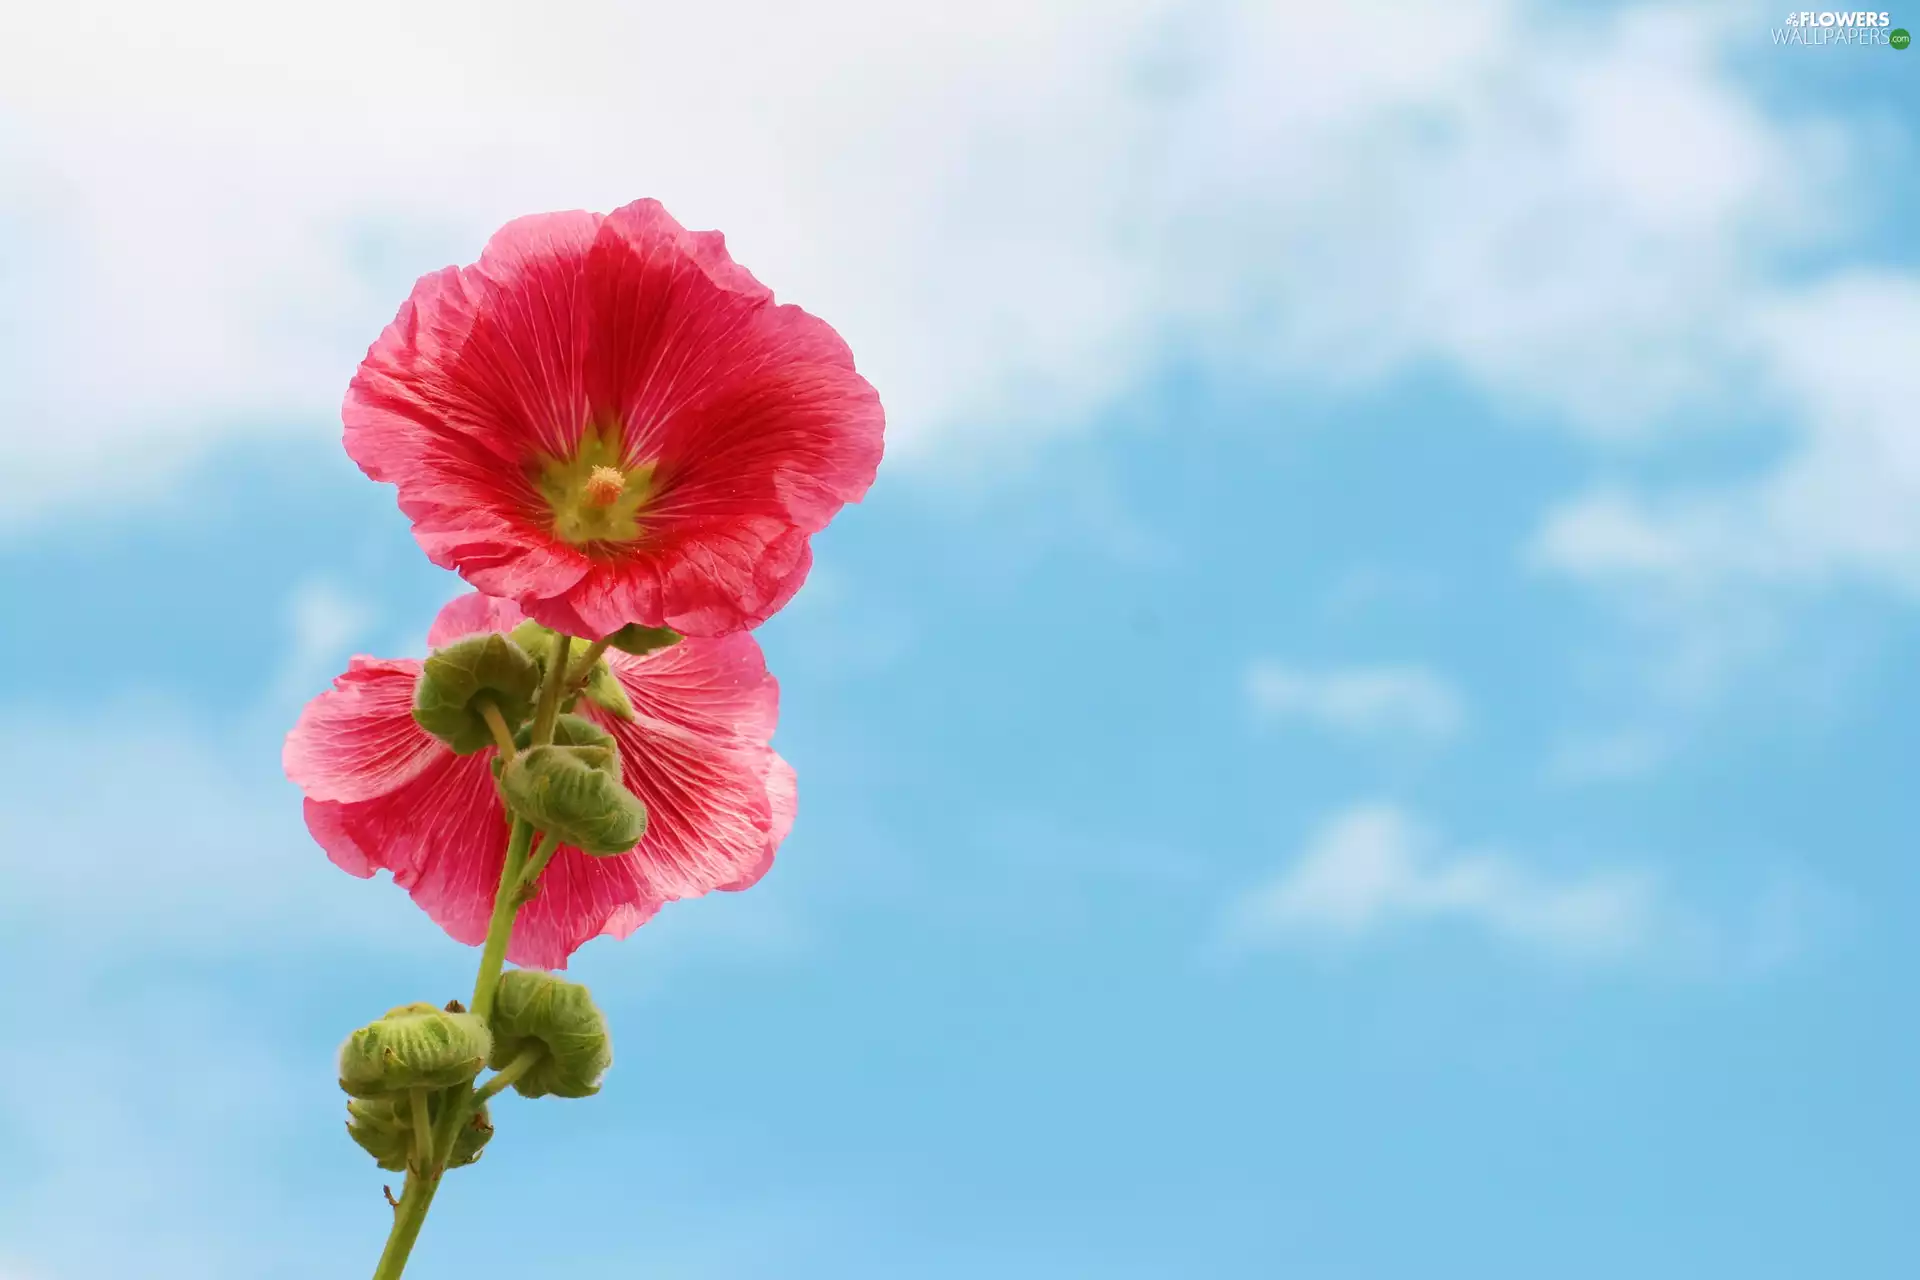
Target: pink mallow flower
<point>608,421</point>
<point>382,793</point>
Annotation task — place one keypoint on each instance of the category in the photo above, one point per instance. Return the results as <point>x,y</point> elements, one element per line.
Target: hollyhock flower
<point>382,793</point>
<point>608,421</point>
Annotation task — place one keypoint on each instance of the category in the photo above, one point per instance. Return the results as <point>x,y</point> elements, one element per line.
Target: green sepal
<point>415,1046</point>
<point>454,679</point>
<point>384,1129</point>
<point>603,689</point>
<point>536,1008</point>
<point>570,731</point>
<point>574,792</point>
<point>641,641</point>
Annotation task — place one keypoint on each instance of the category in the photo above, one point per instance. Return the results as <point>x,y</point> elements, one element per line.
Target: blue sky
<point>1362,733</point>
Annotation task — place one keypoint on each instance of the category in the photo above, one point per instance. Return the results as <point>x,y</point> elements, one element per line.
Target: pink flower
<point>608,421</point>
<point>384,794</point>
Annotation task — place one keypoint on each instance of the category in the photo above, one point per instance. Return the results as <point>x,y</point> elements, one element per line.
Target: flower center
<point>594,496</point>
<point>604,486</point>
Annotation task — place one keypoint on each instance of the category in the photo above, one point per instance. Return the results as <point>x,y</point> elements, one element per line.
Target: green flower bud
<point>569,731</point>
<point>602,689</point>
<point>606,692</point>
<point>413,1047</point>
<point>536,1010</point>
<point>384,1129</point>
<point>575,792</point>
<point>578,731</point>
<point>641,641</point>
<point>446,702</point>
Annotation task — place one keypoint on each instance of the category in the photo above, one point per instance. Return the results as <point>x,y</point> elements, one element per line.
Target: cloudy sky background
<point>1365,731</point>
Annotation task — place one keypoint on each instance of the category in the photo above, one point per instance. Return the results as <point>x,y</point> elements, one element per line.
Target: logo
<point>1833,28</point>
<point>1828,18</point>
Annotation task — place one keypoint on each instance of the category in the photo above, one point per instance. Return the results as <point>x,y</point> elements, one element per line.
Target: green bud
<point>602,689</point>
<point>446,702</point>
<point>413,1047</point>
<point>570,731</point>
<point>575,792</point>
<point>535,1009</point>
<point>534,638</point>
<point>384,1129</point>
<point>641,641</point>
<point>578,731</point>
<point>606,692</point>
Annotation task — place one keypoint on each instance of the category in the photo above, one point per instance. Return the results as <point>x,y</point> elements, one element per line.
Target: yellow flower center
<point>594,497</point>
<point>605,485</point>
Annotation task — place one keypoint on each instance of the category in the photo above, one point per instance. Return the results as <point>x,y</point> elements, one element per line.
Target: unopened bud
<point>413,1047</point>
<point>534,1009</point>
<point>602,688</point>
<point>575,793</point>
<point>384,1129</point>
<point>459,679</point>
<point>640,641</point>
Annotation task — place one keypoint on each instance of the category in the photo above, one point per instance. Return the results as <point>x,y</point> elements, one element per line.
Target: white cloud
<point>166,841</point>
<point>1843,503</point>
<point>182,836</point>
<point>1011,209</point>
<point>1359,701</point>
<point>323,619</point>
<point>1368,587</point>
<point>1371,869</point>
<point>1607,757</point>
<point>163,1161</point>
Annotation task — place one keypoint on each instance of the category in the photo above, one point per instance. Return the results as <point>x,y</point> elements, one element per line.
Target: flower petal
<point>358,740</point>
<point>783,798</point>
<point>580,898</point>
<point>696,754</point>
<point>443,835</point>
<point>749,418</point>
<point>471,614</point>
<point>382,794</point>
<point>330,831</point>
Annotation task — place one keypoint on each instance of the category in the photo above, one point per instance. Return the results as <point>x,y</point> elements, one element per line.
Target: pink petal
<point>752,415</point>
<point>580,896</point>
<point>382,794</point>
<point>331,833</point>
<point>472,614</point>
<point>696,755</point>
<point>358,740</point>
<point>443,835</point>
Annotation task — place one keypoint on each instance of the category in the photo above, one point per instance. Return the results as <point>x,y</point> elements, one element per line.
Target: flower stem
<point>406,1224</point>
<point>502,735</point>
<point>548,708</point>
<point>422,1129</point>
<point>524,1061</point>
<point>583,670</point>
<point>529,882</point>
<point>461,1104</point>
<point>505,902</point>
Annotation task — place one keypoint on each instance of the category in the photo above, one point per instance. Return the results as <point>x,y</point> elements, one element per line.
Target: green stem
<point>583,670</point>
<point>423,1183</point>
<point>547,710</point>
<point>526,1060</point>
<point>529,882</point>
<point>505,902</point>
<point>502,735</point>
<point>407,1220</point>
<point>422,1129</point>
